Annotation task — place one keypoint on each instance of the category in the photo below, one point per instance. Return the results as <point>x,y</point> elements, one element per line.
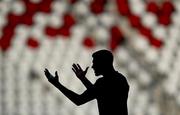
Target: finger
<point>86,70</point>
<point>46,70</point>
<point>56,74</point>
<point>74,70</point>
<point>47,74</point>
<point>75,67</point>
<point>79,67</point>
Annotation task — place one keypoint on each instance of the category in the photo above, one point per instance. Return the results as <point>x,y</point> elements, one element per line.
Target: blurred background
<point>144,36</point>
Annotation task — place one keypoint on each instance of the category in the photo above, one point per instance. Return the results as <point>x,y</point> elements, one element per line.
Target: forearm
<point>86,82</point>
<point>74,97</point>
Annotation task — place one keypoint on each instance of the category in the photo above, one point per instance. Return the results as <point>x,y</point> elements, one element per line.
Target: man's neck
<point>108,73</point>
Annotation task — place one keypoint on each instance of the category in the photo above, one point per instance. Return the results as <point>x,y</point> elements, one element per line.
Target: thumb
<point>56,75</point>
<point>86,70</point>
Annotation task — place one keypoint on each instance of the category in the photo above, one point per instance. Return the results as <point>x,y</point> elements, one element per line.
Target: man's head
<point>102,62</point>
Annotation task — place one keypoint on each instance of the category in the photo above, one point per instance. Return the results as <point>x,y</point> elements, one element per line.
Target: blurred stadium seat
<point>144,36</point>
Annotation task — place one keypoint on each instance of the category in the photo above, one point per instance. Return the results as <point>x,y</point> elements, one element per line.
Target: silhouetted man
<point>111,90</point>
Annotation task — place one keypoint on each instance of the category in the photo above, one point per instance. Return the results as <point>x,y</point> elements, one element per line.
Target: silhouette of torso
<point>111,94</point>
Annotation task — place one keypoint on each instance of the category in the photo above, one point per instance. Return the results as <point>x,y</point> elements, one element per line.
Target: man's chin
<point>97,74</point>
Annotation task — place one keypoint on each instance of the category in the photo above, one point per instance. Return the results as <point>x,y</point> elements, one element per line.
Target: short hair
<point>103,56</point>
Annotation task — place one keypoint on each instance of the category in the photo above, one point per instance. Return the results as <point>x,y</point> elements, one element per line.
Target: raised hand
<point>53,80</point>
<point>80,73</point>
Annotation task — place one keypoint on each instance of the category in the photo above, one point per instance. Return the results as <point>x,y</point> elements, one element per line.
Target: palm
<point>51,78</point>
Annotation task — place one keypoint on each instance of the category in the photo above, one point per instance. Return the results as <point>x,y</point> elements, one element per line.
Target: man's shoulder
<point>121,78</point>
<point>100,82</point>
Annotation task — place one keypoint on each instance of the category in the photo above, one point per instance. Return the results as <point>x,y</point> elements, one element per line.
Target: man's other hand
<point>53,80</point>
<point>80,73</point>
